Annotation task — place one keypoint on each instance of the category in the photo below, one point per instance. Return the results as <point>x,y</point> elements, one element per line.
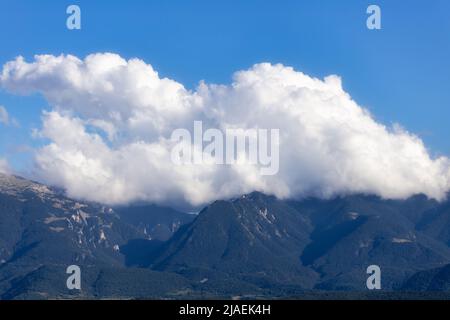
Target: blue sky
<point>400,73</point>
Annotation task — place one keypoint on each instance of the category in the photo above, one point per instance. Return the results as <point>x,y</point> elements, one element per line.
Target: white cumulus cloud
<point>111,119</point>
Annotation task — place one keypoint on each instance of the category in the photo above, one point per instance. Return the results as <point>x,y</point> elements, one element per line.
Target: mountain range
<point>253,246</point>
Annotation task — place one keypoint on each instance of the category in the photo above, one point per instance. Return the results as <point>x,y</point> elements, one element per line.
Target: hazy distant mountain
<point>351,233</point>
<point>252,246</point>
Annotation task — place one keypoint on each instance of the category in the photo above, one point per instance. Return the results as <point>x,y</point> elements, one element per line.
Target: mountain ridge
<point>253,245</point>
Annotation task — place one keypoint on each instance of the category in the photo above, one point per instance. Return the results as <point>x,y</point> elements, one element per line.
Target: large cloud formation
<point>111,120</point>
